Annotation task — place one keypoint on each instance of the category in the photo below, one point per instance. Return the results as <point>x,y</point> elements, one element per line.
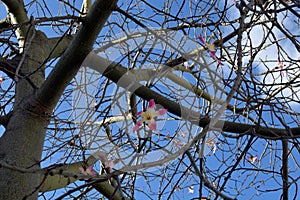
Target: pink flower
<point>88,171</point>
<point>211,49</point>
<point>149,116</point>
<point>252,159</point>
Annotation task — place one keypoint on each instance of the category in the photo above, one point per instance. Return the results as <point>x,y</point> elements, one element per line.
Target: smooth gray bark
<point>22,143</point>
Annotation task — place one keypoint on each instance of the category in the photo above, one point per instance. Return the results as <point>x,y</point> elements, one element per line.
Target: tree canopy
<point>149,99</point>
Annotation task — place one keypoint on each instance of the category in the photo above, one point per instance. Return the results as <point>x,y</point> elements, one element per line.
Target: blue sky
<point>260,147</point>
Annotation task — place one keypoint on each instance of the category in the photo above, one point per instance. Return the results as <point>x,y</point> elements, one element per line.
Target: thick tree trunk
<point>22,146</point>
<point>22,143</point>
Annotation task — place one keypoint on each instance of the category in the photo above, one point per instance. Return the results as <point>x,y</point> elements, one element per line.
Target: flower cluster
<point>149,116</point>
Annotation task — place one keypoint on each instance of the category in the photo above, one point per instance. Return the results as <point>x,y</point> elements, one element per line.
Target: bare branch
<point>4,23</point>
<point>285,170</point>
<point>115,72</point>
<point>4,119</point>
<point>18,15</point>
<point>71,60</point>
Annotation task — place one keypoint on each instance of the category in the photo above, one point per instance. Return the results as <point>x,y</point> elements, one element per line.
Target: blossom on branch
<point>149,116</point>
<point>211,49</point>
<point>107,163</point>
<point>87,171</point>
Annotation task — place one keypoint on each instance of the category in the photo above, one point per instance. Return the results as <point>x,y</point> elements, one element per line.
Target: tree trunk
<point>21,146</point>
<point>22,143</point>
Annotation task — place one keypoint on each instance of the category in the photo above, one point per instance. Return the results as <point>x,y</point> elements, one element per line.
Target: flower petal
<point>213,55</point>
<point>162,111</point>
<point>90,168</point>
<point>90,171</point>
<point>137,126</point>
<point>139,113</point>
<point>202,40</point>
<point>151,103</point>
<point>81,170</point>
<point>152,125</point>
<point>211,47</point>
<point>93,173</point>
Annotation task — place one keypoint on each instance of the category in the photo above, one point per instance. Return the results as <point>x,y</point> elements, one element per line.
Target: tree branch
<point>204,179</point>
<point>285,170</point>
<point>8,66</point>
<point>59,181</point>
<point>59,45</point>
<point>4,23</point>
<point>71,60</point>
<point>117,72</point>
<point>108,191</point>
<point>56,178</point>
<point>5,119</point>
<point>17,15</point>
<point>59,177</point>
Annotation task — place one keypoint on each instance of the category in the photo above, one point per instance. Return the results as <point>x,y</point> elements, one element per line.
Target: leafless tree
<point>149,99</point>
